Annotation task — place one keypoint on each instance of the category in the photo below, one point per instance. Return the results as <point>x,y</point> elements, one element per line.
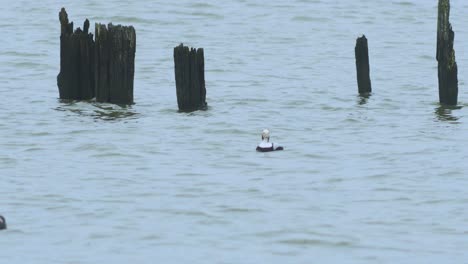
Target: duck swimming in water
<point>2,223</point>
<point>266,145</point>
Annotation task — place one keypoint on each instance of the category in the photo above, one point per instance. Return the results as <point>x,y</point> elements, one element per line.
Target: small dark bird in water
<point>2,223</point>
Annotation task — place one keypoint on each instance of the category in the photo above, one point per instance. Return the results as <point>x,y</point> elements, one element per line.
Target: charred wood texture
<point>114,63</point>
<point>362,65</point>
<point>447,66</point>
<point>189,67</point>
<point>76,78</point>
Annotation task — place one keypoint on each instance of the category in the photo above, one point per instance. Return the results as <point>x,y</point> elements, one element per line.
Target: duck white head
<point>266,135</point>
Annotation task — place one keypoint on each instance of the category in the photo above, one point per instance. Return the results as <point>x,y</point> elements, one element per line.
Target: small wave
<point>115,154</point>
<point>208,15</point>
<point>150,237</point>
<point>100,235</point>
<point>186,212</point>
<point>201,5</point>
<point>435,201</point>
<point>34,149</point>
<point>7,161</point>
<point>127,19</point>
<point>22,54</point>
<point>313,242</point>
<point>226,209</point>
<point>29,64</point>
<point>309,1</point>
<point>404,3</point>
<point>310,19</point>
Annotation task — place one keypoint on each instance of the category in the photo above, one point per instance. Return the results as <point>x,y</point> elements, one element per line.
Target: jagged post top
<point>63,16</point>
<point>182,47</point>
<point>361,39</point>
<point>86,26</point>
<point>128,31</point>
<point>66,27</point>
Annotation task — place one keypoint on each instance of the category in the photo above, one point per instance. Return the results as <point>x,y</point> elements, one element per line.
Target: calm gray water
<point>377,180</point>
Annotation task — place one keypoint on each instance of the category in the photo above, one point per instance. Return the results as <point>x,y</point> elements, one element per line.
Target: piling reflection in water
<point>444,113</point>
<point>363,98</point>
<point>114,113</point>
<point>98,111</point>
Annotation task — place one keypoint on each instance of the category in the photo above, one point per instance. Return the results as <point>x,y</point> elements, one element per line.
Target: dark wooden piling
<point>3,224</point>
<point>76,78</point>
<point>189,65</point>
<point>447,66</point>
<point>362,65</point>
<point>114,63</point>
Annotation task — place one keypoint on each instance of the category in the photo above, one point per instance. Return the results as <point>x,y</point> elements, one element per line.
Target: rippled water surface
<point>365,180</point>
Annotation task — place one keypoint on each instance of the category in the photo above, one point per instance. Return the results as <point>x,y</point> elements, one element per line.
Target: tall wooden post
<point>76,78</point>
<point>362,65</point>
<point>447,66</point>
<point>115,63</point>
<point>189,65</point>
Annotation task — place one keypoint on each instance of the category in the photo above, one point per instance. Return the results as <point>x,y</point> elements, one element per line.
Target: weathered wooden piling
<point>362,65</point>
<point>114,63</point>
<point>447,66</point>
<point>3,224</point>
<point>76,78</point>
<point>189,67</point>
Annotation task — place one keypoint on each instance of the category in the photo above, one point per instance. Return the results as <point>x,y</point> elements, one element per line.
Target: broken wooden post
<point>447,66</point>
<point>189,65</point>
<point>362,65</point>
<point>114,63</point>
<point>76,78</point>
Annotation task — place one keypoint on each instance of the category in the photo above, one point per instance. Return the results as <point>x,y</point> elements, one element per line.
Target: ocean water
<point>362,180</point>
